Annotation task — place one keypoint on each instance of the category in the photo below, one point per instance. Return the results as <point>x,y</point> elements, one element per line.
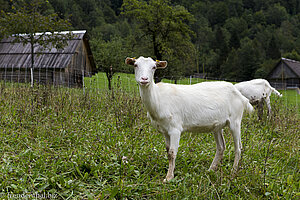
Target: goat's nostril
<point>144,78</point>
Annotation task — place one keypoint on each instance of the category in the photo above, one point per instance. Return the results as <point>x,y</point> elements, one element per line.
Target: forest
<point>231,39</point>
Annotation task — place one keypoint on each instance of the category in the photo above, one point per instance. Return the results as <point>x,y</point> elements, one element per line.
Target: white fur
<point>257,91</point>
<point>204,107</point>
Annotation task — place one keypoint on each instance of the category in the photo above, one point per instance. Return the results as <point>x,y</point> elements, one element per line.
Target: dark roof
<point>17,55</point>
<point>293,64</point>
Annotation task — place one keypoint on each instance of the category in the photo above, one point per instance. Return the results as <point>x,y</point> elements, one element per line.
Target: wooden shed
<point>285,74</point>
<point>67,66</point>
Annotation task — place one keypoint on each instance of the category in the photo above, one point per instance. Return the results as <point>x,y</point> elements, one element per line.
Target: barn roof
<point>293,65</point>
<point>17,55</point>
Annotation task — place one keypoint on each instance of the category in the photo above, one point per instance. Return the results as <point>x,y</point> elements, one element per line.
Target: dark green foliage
<point>273,49</point>
<point>276,14</point>
<point>190,34</point>
<point>292,55</point>
<point>109,56</point>
<point>165,28</point>
<point>218,13</point>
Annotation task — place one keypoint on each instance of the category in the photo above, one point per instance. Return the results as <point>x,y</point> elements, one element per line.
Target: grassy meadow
<point>98,144</point>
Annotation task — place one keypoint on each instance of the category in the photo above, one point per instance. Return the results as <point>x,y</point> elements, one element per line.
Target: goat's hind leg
<point>236,134</point>
<point>220,146</point>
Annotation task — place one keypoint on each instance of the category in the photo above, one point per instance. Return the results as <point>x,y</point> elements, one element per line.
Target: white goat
<point>257,91</point>
<point>204,107</point>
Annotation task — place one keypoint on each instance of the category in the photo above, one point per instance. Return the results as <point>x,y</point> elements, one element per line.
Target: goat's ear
<point>161,64</point>
<point>129,61</point>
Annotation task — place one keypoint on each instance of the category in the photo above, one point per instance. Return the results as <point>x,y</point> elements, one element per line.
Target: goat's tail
<point>274,91</point>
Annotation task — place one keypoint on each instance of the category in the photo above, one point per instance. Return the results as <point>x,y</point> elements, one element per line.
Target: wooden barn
<point>67,66</point>
<point>285,74</point>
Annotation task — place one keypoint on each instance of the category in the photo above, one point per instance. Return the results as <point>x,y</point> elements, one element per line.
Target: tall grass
<point>98,144</point>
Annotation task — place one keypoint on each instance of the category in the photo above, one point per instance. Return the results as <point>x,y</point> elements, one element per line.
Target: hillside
<point>234,39</point>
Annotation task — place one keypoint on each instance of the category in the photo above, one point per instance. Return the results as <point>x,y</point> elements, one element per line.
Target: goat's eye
<point>135,65</point>
<point>154,67</point>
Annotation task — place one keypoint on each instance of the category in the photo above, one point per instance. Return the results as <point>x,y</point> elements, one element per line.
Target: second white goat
<point>204,107</point>
<point>258,91</point>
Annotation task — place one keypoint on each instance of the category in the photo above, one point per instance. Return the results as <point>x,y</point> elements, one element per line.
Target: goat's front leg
<point>267,100</point>
<point>260,111</point>
<point>167,140</point>
<point>174,144</point>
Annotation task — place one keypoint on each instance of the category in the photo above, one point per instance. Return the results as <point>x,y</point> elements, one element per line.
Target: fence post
<point>40,74</point>
<point>297,94</point>
<point>31,76</point>
<point>128,83</point>
<point>19,75</point>
<point>12,74</point>
<point>105,83</point>
<point>46,74</point>
<point>83,85</point>
<point>5,75</point>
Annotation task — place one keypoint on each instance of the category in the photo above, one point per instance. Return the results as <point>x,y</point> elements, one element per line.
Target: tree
<point>220,27</point>
<point>231,66</point>
<point>109,56</point>
<point>221,47</point>
<point>161,23</point>
<point>242,63</point>
<point>276,14</point>
<point>26,21</point>
<point>236,27</point>
<point>294,55</point>
<point>249,59</point>
<point>265,68</point>
<point>218,13</point>
<point>273,51</point>
<point>4,5</point>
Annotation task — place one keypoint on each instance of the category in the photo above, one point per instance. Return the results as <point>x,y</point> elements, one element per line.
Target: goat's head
<point>144,69</point>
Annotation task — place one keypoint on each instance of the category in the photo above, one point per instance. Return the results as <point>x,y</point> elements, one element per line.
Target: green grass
<point>99,144</point>
<point>291,97</point>
<point>99,81</point>
<point>127,82</point>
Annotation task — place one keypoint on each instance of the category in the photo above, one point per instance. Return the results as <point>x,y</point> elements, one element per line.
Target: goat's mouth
<point>144,82</point>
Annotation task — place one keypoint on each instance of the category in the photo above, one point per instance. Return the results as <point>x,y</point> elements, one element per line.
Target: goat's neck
<point>150,98</point>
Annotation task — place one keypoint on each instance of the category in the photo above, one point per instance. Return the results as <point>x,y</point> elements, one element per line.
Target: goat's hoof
<point>233,174</point>
<point>213,169</point>
<point>168,178</point>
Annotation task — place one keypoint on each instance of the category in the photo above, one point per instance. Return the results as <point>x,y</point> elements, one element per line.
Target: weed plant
<point>98,144</point>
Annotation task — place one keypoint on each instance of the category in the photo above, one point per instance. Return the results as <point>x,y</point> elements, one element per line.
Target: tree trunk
<point>156,47</point>
<point>109,83</point>
<point>32,60</point>
<point>109,75</point>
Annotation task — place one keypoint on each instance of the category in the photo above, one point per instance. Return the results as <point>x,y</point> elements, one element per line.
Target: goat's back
<point>255,90</point>
<point>202,106</point>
